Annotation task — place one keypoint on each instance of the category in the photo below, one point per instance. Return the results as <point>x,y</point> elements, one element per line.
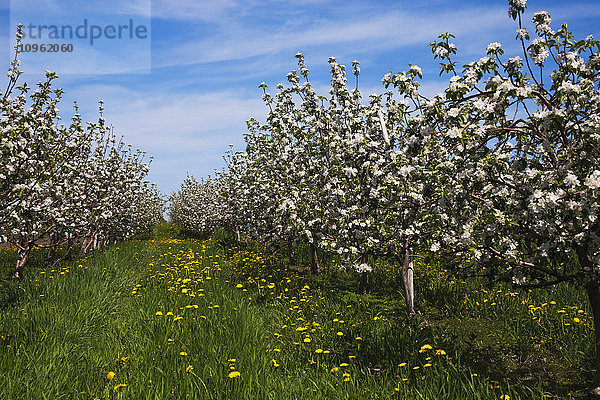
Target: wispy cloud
<point>373,33</point>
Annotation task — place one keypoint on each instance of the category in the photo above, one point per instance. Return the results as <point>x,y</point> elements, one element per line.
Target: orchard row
<point>66,183</point>
<point>499,174</point>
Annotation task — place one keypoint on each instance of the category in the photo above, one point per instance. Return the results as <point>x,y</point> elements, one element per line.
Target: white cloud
<point>377,32</point>
<point>185,132</point>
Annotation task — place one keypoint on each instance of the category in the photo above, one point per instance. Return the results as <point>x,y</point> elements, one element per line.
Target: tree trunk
<point>69,254</point>
<point>363,277</point>
<point>22,255</point>
<point>50,256</point>
<point>594,299</point>
<point>363,283</point>
<point>314,261</point>
<point>237,234</point>
<point>84,243</point>
<point>585,260</point>
<point>290,249</point>
<point>87,243</point>
<point>407,281</point>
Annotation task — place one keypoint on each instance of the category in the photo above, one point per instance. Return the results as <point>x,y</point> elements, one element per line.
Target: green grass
<point>292,335</point>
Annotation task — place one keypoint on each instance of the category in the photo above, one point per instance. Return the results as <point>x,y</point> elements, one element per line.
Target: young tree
<point>61,182</point>
<point>523,144</point>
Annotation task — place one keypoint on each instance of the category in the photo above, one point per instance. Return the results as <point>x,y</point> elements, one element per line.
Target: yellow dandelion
<point>234,374</point>
<point>318,351</point>
<point>424,348</point>
<point>110,375</point>
<point>189,369</point>
<point>183,353</point>
<point>159,313</point>
<point>340,334</point>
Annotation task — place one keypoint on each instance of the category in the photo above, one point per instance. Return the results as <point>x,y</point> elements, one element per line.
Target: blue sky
<point>208,58</point>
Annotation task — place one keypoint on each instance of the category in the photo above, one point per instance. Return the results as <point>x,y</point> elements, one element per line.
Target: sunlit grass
<point>174,318</point>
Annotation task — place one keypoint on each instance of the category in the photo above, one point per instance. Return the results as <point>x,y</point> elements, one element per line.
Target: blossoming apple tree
<point>62,182</point>
<point>500,172</point>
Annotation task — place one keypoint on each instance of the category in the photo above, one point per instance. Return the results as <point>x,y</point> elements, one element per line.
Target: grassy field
<point>166,318</point>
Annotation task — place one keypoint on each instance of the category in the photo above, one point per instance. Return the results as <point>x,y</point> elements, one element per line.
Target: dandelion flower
<point>110,375</point>
<point>318,351</point>
<point>189,369</point>
<point>424,348</point>
<point>183,353</point>
<point>159,313</point>
<point>340,334</point>
<point>234,374</point>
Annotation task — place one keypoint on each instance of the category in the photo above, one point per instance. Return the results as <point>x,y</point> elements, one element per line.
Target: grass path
<point>175,319</point>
